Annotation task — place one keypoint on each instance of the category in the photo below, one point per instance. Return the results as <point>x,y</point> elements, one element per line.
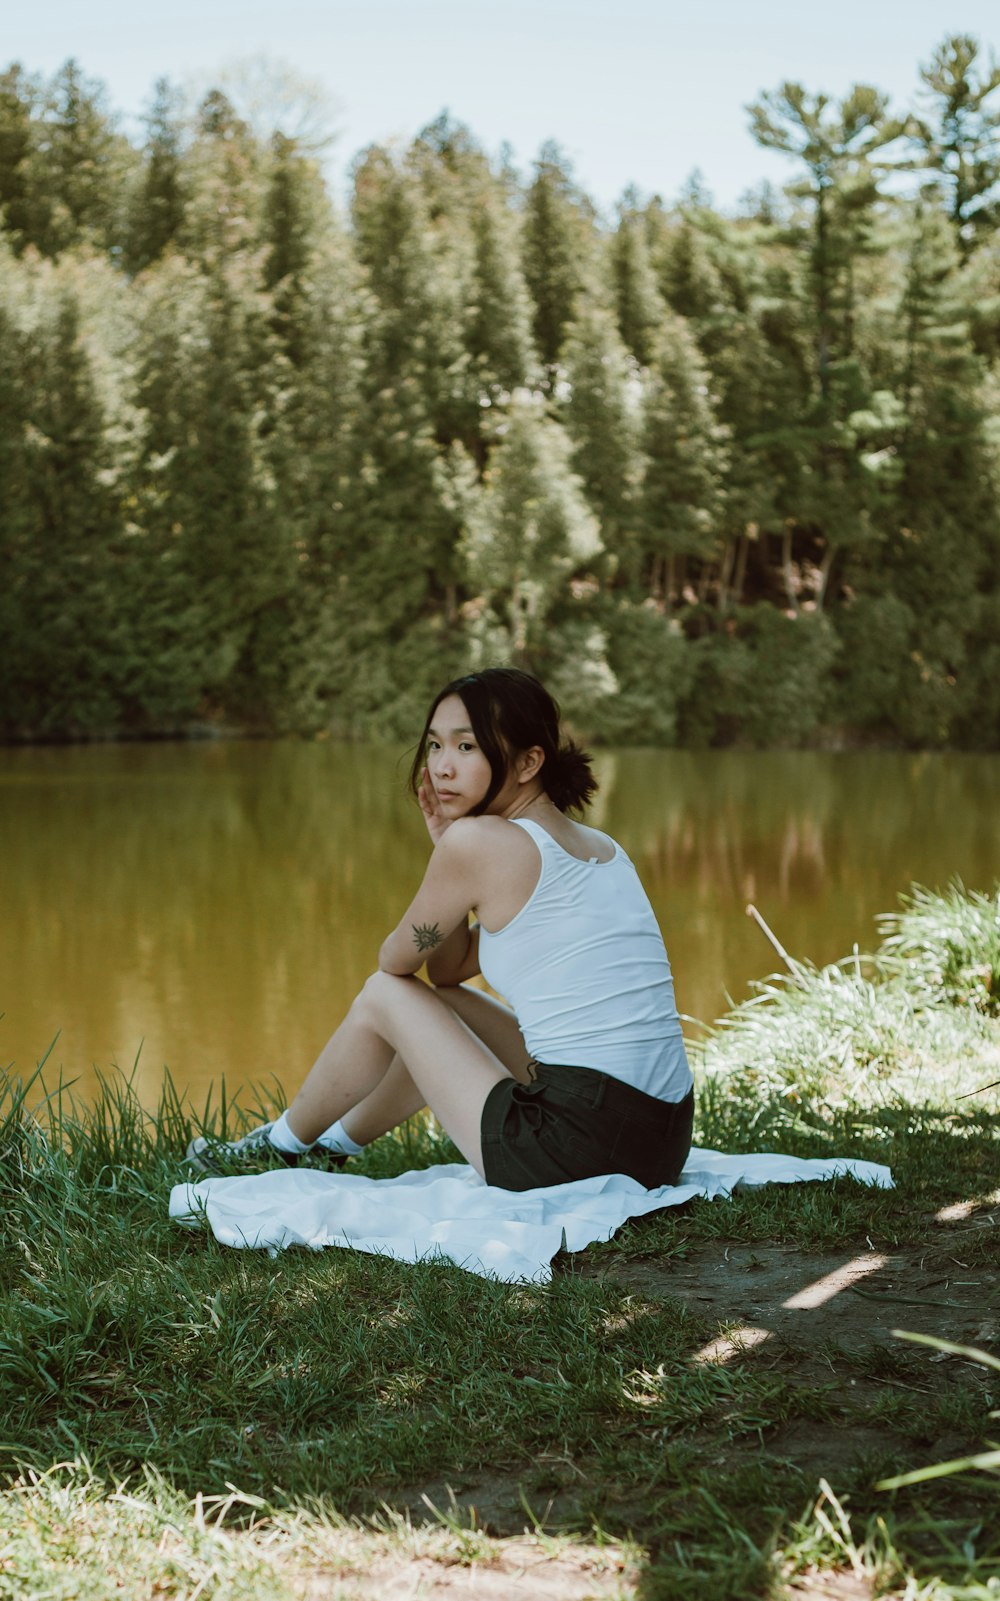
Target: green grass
<point>177,1418</point>
<point>950,944</point>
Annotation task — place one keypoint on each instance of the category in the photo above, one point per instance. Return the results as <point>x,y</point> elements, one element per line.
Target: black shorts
<point>577,1123</point>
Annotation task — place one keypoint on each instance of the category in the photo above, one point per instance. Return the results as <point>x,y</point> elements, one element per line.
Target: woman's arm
<point>456,958</point>
<point>440,909</point>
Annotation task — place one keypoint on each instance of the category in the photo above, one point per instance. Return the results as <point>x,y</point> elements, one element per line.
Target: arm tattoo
<point>426,936</point>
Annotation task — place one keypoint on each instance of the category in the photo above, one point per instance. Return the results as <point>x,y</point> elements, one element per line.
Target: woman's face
<point>459,772</point>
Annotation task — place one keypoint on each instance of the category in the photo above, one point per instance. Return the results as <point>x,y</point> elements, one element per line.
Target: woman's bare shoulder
<point>485,836</point>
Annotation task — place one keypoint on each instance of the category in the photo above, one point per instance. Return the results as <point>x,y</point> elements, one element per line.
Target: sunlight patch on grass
<point>735,1343</point>
<point>834,1283</point>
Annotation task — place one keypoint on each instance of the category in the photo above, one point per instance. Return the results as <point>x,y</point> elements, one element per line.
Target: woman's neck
<point>536,804</point>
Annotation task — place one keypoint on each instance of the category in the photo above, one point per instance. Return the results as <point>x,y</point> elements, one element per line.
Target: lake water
<point>215,906</point>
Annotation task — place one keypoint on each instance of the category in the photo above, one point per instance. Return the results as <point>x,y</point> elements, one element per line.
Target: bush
<point>763,681</point>
<point>380,688</point>
<point>620,677</point>
<point>875,633</point>
<point>951,945</point>
<point>977,717</point>
<point>898,676</point>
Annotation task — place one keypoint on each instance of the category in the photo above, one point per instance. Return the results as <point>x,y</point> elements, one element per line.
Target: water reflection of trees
<point>225,901</point>
<point>221,901</point>
<point>822,842</point>
<point>788,821</point>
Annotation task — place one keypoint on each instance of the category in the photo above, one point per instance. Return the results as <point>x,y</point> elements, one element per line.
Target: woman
<point>586,1072</point>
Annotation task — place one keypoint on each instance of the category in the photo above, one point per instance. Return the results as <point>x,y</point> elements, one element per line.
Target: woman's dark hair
<point>510,711</point>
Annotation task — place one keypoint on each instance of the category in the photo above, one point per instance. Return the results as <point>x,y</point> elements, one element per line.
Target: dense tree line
<point>715,477</point>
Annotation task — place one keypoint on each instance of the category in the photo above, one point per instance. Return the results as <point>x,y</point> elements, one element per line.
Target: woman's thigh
<point>491,1022</point>
<point>454,1069</point>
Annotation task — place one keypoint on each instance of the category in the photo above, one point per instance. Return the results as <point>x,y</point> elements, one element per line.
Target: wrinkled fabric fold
<point>449,1214</point>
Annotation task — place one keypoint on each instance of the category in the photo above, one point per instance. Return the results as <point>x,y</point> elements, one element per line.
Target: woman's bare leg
<point>396,1097</point>
<point>493,1023</point>
<point>453,1071</point>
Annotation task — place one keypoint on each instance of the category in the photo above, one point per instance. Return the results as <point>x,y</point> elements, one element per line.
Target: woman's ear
<point>529,764</point>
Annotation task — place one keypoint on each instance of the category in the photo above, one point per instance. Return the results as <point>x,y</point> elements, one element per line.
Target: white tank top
<point>584,968</point>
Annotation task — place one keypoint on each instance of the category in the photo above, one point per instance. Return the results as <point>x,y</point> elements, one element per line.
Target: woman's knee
<point>379,993</point>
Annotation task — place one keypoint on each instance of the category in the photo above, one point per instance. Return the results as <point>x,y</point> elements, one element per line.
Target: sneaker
<point>254,1153</point>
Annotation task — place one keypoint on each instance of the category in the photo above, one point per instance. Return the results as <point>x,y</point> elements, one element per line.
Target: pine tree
<point>18,705</point>
<point>312,454</point>
<point>840,149</point>
<point>60,529</point>
<point>946,540</point>
<point>681,499</point>
<point>186,651</point>
<point>418,397</point>
<point>843,150</point>
<point>415,332</point>
<point>156,213</point>
<point>498,332</point>
<point>637,300</point>
<point>471,222</point>
<point>451,169</point>
<point>601,414</point>
<point>961,145</point>
<point>687,275</point>
<point>287,219</point>
<point>219,545</point>
<point>295,216</point>
<point>557,244</point>
<point>224,179</point>
<point>19,97</point>
<point>530,530</point>
<point>80,166</point>
<point>757,381</point>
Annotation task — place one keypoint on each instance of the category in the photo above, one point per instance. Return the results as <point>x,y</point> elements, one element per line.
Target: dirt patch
<point>827,1319</point>
<point>837,1585</point>
<point>490,1501</point>
<point>766,1292</point>
<point>520,1568</point>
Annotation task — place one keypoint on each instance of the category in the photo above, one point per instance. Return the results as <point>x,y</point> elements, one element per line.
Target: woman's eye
<point>432,744</point>
<point>465,745</point>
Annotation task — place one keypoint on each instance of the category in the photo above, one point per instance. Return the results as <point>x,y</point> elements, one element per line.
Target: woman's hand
<point>435,819</point>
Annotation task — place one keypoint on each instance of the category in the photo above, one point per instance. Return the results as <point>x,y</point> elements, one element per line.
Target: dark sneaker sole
<point>216,1161</point>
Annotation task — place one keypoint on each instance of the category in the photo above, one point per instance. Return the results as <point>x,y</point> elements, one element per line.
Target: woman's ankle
<point>336,1138</point>
<point>283,1138</point>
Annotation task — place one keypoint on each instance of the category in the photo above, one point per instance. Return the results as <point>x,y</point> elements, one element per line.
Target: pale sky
<point>640,92</point>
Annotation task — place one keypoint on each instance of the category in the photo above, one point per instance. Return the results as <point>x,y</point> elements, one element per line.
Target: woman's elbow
<point>389,961</point>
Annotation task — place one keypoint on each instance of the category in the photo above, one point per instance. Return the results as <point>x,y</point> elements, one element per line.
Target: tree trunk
<point>725,573</point>
<point>821,270</point>
<point>786,568</point>
<point>656,578</point>
<point>824,574</point>
<point>740,576</point>
<point>518,621</point>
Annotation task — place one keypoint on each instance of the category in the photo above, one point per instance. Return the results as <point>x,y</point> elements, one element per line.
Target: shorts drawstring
<point>532,1114</point>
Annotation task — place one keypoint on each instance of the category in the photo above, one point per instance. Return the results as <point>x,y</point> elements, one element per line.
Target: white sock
<point>336,1138</point>
<point>281,1136</point>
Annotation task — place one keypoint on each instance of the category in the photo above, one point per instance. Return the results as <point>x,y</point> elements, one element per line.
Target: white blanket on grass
<point>449,1214</point>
